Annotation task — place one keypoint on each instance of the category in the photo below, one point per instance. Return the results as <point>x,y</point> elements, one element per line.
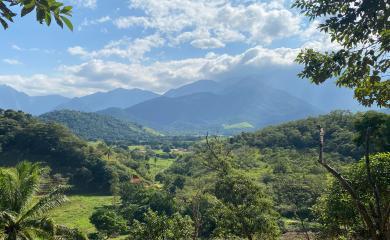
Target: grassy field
<point>77,211</point>
<point>159,165</point>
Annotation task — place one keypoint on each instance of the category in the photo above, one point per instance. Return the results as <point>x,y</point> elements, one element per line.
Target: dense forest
<point>93,126</point>
<point>86,165</point>
<point>258,185</point>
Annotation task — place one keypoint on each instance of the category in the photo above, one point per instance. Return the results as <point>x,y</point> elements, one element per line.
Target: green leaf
<point>40,15</point>
<point>48,19</point>
<point>67,22</point>
<point>58,20</point>
<point>29,4</point>
<point>26,10</point>
<point>4,23</point>
<point>66,9</point>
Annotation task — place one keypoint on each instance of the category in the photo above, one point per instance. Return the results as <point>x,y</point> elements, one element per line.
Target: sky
<point>155,45</point>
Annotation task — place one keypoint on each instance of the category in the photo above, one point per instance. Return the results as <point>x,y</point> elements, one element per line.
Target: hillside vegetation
<point>283,159</point>
<point>193,110</point>
<point>89,167</point>
<point>216,188</point>
<point>93,126</point>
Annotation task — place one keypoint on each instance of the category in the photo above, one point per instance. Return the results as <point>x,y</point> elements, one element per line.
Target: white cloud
<point>134,50</point>
<point>126,22</point>
<point>11,61</point>
<point>77,50</point>
<point>222,20</point>
<point>41,84</point>
<point>33,49</point>
<point>16,47</point>
<point>161,76</point>
<point>207,43</point>
<point>86,22</point>
<point>99,75</point>
<point>84,3</point>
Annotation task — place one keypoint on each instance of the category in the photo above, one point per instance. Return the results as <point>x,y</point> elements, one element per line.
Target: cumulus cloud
<point>11,61</point>
<point>41,84</point>
<point>99,75</point>
<point>161,76</point>
<point>207,43</point>
<point>222,21</point>
<point>134,50</point>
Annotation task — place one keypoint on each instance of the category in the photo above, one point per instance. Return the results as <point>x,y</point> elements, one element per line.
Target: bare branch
<point>346,184</point>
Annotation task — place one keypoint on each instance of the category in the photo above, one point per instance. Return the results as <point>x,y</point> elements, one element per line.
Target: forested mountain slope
<point>93,126</point>
<point>303,134</point>
<point>282,158</point>
<point>86,166</point>
<point>240,102</point>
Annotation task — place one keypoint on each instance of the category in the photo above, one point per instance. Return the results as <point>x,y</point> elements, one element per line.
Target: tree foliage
<point>361,29</point>
<point>108,222</point>
<point>244,210</point>
<point>23,137</point>
<point>93,126</point>
<point>162,227</point>
<point>45,10</point>
<point>302,135</point>
<point>336,209</point>
<point>21,217</point>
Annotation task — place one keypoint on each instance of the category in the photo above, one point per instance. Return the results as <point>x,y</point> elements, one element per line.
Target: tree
<point>216,155</point>
<point>108,222</point>
<point>376,213</point>
<point>336,209</point>
<point>108,152</point>
<point>244,211</point>
<point>139,199</point>
<point>45,11</point>
<point>295,196</point>
<point>162,227</point>
<point>379,127</point>
<point>23,218</point>
<point>361,28</point>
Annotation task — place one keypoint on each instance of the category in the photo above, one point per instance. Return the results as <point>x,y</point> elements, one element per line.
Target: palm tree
<point>22,212</point>
<point>108,152</point>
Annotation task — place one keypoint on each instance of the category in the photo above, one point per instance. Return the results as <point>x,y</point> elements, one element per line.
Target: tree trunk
<point>304,229</point>
<point>367,219</point>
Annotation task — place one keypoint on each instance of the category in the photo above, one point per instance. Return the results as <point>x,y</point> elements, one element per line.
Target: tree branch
<point>347,186</point>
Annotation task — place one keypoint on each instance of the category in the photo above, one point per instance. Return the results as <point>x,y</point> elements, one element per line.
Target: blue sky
<point>154,45</point>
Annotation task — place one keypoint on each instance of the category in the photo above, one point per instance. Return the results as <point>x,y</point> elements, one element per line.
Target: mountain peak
<point>194,87</point>
<point>119,97</point>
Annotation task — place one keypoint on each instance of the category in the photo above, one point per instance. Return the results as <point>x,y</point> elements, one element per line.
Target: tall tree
<point>336,209</point>
<point>162,227</point>
<point>375,214</point>
<point>45,11</point>
<point>361,29</point>
<point>245,211</point>
<point>21,217</point>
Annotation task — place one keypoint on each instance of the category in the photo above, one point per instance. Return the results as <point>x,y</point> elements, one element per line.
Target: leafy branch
<point>45,10</point>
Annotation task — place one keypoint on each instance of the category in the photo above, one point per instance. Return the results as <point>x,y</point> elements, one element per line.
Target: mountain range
<point>12,99</point>
<point>217,106</point>
<point>121,98</point>
<point>195,109</point>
